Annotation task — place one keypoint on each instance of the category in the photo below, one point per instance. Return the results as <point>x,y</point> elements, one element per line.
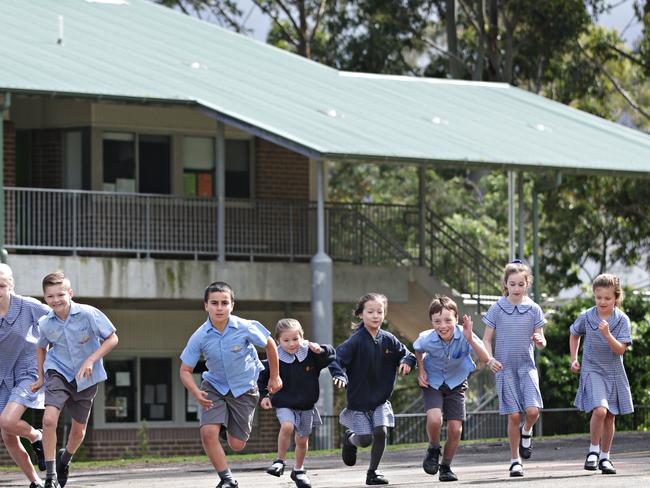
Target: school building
<point>147,153</point>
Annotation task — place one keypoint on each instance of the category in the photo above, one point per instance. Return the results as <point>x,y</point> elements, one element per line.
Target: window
<point>154,168</point>
<point>119,162</point>
<point>199,167</point>
<point>120,388</point>
<point>156,389</point>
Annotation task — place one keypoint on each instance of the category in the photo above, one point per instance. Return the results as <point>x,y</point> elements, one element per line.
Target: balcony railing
<point>91,222</point>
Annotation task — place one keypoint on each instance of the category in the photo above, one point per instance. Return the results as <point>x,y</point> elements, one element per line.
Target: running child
<point>604,389</point>
<point>78,337</point>
<point>228,394</point>
<point>367,363</point>
<point>18,336</point>
<point>300,365</point>
<point>444,358</point>
<point>519,326</point>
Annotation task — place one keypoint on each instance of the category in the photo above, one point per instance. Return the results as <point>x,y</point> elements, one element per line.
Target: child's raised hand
<point>423,381</point>
<point>203,400</point>
<point>265,403</point>
<point>339,382</point>
<point>575,366</point>
<point>37,385</point>
<point>603,327</point>
<point>537,339</point>
<point>275,384</point>
<point>467,327</point>
<point>494,365</point>
<point>315,347</point>
<point>404,369</point>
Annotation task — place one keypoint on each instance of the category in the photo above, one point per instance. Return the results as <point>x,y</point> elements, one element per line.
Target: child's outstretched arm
<point>275,382</point>
<point>40,359</point>
<point>423,381</point>
<point>538,338</point>
<point>107,346</point>
<point>574,346</point>
<point>477,345</point>
<point>615,345</point>
<point>185,374</point>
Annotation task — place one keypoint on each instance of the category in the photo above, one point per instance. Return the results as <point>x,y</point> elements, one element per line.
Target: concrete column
<point>511,215</point>
<point>422,215</point>
<point>220,190</point>
<point>321,292</point>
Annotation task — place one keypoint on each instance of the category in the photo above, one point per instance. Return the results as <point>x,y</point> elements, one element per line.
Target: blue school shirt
<point>445,362</point>
<point>230,356</point>
<point>73,340</point>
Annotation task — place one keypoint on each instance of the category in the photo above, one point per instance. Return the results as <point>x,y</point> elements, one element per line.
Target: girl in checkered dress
<point>518,323</point>
<point>604,389</point>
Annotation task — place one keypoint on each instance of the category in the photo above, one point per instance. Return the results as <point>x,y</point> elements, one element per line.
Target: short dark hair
<point>440,303</point>
<point>218,286</point>
<point>56,278</point>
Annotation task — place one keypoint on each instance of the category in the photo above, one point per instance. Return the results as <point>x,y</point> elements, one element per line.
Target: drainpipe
<point>6,104</point>
<point>321,292</point>
<point>422,215</point>
<point>220,190</point>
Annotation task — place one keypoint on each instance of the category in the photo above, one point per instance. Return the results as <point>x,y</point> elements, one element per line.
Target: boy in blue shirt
<point>444,362</point>
<point>78,336</point>
<point>228,394</point>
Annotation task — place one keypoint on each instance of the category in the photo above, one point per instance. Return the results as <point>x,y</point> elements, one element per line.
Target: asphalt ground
<point>556,462</point>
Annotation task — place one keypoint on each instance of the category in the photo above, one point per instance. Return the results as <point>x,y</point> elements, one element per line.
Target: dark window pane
<point>120,391</point>
<point>238,169</point>
<point>155,164</point>
<point>119,159</point>
<point>191,405</point>
<point>155,388</point>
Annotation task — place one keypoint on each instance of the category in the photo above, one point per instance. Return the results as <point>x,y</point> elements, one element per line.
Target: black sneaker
<point>446,474</point>
<point>591,464</point>
<point>300,478</point>
<point>37,447</point>
<point>431,460</point>
<point>606,466</point>
<point>62,470</point>
<point>51,483</point>
<point>229,483</point>
<point>277,468</point>
<point>349,450</point>
<point>374,477</point>
<point>33,484</point>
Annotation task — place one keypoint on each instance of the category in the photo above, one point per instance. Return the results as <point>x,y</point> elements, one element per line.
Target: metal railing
<point>410,428</point>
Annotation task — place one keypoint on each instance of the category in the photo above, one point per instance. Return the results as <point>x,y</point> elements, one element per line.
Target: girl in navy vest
<point>367,363</point>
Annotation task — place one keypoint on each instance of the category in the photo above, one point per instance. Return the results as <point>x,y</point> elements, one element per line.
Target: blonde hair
<point>516,266</point>
<point>56,278</point>
<point>7,274</point>
<point>606,280</point>
<point>285,325</point>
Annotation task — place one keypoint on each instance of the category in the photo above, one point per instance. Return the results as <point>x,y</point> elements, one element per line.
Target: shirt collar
<point>362,329</point>
<point>15,306</point>
<point>75,308</point>
<point>612,321</point>
<point>300,354</point>
<point>457,333</point>
<point>232,322</point>
<point>508,307</point>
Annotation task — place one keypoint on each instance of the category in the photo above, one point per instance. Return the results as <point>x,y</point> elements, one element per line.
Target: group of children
<point>65,356</point>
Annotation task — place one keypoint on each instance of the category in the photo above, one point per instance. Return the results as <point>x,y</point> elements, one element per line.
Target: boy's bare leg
<point>50,422</point>
<point>454,431</point>
<point>76,437</point>
<point>212,446</point>
<point>434,425</point>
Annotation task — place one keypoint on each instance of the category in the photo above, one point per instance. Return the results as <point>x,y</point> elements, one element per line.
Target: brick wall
<point>9,145</point>
<point>280,174</point>
<point>47,158</point>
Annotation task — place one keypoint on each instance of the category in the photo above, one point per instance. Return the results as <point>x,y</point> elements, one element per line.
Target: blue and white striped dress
<point>518,382</point>
<point>19,334</point>
<point>603,381</point>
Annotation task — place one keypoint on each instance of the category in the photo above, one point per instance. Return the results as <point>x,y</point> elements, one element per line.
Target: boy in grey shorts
<point>444,363</point>
<point>78,336</point>
<point>228,394</point>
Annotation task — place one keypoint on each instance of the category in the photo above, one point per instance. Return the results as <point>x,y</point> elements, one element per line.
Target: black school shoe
<point>62,470</point>
<point>51,483</point>
<point>33,484</point>
<point>525,452</point>
<point>349,450</point>
<point>374,477</point>
<point>37,447</point>
<point>593,464</point>
<point>229,483</point>
<point>446,474</point>
<point>300,478</point>
<point>516,473</point>
<point>277,468</point>
<point>606,466</point>
<point>431,460</point>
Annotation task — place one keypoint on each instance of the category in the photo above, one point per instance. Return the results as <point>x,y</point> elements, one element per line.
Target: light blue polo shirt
<point>73,340</point>
<point>445,362</point>
<point>230,356</point>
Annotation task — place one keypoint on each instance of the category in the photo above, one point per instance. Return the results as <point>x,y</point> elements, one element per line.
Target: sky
<point>621,17</point>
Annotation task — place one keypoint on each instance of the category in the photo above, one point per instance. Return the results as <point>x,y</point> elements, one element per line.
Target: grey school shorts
<point>60,393</point>
<point>235,413</point>
<point>450,401</point>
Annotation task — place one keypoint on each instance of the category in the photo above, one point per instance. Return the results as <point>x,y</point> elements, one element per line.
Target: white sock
<point>39,436</point>
<point>526,442</point>
<point>594,448</point>
<point>38,479</point>
<point>515,460</point>
<point>517,467</point>
<point>604,455</point>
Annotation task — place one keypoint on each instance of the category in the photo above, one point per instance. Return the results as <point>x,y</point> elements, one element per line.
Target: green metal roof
<point>138,51</point>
